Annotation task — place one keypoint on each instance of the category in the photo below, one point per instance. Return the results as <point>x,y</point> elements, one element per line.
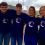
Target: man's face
<point>42,11</point>
<point>18,9</point>
<point>31,12</point>
<point>4,8</point>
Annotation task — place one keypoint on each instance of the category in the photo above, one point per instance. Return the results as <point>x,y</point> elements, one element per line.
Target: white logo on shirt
<point>18,20</point>
<point>4,20</point>
<point>42,23</point>
<point>31,23</point>
<point>11,21</point>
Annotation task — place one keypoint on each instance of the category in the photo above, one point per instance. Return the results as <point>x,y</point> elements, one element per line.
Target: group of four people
<point>12,23</point>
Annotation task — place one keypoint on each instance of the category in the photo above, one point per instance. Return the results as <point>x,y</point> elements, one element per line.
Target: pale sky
<point>36,3</point>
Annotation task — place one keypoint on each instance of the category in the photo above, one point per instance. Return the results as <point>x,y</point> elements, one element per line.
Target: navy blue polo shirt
<point>5,20</point>
<point>42,28</point>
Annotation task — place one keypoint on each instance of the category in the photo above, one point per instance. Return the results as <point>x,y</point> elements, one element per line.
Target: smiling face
<point>3,7</point>
<point>31,11</point>
<point>42,11</point>
<point>19,8</point>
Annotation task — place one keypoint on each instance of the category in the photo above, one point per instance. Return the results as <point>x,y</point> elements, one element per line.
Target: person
<point>1,32</point>
<point>42,26</point>
<point>31,29</point>
<point>18,28</point>
<point>5,17</point>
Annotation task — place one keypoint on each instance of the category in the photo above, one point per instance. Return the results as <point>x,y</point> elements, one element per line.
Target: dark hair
<point>0,4</point>
<point>3,4</point>
<point>41,7</point>
<point>32,8</point>
<point>19,5</point>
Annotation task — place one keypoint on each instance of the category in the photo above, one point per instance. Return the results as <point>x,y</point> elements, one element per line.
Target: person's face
<point>0,8</point>
<point>31,12</point>
<point>3,8</point>
<point>42,11</point>
<point>18,9</point>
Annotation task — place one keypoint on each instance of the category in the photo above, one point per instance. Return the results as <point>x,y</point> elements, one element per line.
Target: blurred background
<point>26,4</point>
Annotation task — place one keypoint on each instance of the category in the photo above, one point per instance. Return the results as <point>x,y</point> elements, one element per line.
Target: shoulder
<point>25,15</point>
<point>11,10</point>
